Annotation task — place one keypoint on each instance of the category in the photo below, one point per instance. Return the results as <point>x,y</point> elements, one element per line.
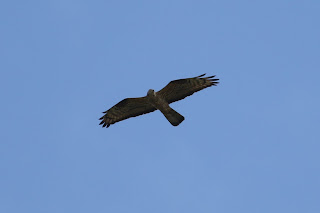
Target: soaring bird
<point>174,91</point>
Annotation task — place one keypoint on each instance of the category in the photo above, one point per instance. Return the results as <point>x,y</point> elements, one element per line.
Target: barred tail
<point>173,117</point>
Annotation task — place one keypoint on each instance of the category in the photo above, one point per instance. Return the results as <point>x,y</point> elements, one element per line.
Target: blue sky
<point>251,144</point>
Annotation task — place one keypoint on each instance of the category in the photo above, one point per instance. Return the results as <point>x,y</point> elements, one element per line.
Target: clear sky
<point>251,144</point>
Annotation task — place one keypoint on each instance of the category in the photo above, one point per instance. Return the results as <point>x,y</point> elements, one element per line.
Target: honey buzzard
<point>174,91</point>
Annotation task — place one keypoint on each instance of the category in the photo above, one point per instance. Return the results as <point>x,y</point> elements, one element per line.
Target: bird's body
<point>156,100</point>
<point>174,91</point>
<point>161,104</point>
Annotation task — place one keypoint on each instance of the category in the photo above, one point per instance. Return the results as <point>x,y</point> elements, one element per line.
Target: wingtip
<point>201,75</point>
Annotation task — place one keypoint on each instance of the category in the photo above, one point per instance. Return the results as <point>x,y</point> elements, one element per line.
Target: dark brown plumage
<point>174,91</point>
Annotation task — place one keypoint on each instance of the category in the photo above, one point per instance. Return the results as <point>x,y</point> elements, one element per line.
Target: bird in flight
<point>174,91</point>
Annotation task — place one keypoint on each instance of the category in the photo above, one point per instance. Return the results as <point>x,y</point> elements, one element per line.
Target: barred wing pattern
<point>127,108</point>
<point>179,89</point>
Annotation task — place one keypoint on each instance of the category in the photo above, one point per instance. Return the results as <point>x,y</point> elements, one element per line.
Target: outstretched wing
<point>127,108</point>
<point>179,89</point>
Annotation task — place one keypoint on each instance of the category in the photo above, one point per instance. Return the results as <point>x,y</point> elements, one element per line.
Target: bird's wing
<point>179,89</point>
<point>127,108</point>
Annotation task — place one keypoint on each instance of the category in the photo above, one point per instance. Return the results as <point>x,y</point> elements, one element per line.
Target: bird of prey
<point>174,91</point>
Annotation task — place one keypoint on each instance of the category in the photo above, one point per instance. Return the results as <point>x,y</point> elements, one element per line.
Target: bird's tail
<point>173,117</point>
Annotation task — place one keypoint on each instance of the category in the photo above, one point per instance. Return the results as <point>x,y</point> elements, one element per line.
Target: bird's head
<point>151,93</point>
